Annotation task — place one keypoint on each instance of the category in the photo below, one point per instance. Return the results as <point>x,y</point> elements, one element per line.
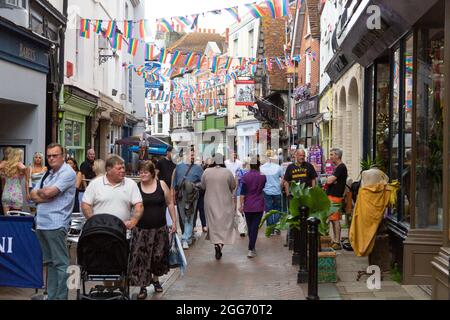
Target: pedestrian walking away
<point>186,183</point>
<point>150,245</point>
<point>252,202</point>
<point>55,196</point>
<point>272,189</point>
<point>219,184</point>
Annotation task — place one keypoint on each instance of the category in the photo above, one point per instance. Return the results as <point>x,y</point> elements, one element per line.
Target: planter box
<point>325,242</point>
<point>327,266</point>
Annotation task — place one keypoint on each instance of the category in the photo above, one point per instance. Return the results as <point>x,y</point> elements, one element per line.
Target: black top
<point>304,173</point>
<point>86,169</point>
<point>165,168</point>
<point>154,208</point>
<point>337,189</point>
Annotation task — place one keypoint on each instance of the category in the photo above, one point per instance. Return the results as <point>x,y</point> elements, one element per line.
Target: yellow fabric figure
<point>369,210</point>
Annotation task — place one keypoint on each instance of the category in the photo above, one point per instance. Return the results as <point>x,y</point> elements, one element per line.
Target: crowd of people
<point>168,194</point>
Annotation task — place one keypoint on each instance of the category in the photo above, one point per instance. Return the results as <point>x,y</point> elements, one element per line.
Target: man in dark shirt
<point>86,166</point>
<point>300,171</point>
<point>165,167</point>
<point>335,191</point>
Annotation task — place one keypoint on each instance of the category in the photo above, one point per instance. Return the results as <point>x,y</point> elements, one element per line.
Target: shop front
<point>23,83</point>
<point>406,117</point>
<point>247,144</point>
<point>78,107</point>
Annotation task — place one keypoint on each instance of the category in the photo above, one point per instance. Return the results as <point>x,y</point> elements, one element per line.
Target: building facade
<point>31,36</point>
<point>405,125</point>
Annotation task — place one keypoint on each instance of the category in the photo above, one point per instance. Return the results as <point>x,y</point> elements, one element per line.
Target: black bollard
<point>291,239</point>
<point>313,242</point>
<point>302,276</point>
<point>296,251</point>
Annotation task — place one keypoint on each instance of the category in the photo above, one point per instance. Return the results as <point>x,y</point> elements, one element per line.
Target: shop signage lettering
<point>6,245</point>
<point>27,52</point>
<point>306,108</point>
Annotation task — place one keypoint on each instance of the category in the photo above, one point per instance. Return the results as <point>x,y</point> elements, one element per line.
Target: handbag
<point>176,257</point>
<point>240,224</point>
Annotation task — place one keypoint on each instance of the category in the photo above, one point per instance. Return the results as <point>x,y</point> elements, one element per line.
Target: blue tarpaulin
<point>20,254</point>
<point>156,150</point>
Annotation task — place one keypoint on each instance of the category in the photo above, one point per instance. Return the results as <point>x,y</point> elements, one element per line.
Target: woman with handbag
<point>150,245</point>
<point>218,183</point>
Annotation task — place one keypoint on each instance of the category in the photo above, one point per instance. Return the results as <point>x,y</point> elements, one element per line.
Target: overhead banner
<point>20,254</point>
<point>245,92</point>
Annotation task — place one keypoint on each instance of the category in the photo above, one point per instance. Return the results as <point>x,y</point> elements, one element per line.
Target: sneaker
<point>242,235</point>
<point>185,245</point>
<point>251,254</point>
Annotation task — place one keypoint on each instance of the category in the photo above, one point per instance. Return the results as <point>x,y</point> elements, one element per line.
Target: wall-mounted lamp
<point>61,113</point>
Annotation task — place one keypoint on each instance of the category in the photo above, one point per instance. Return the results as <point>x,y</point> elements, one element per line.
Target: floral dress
<point>12,196</point>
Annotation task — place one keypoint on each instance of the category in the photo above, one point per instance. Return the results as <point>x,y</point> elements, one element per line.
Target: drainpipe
<point>62,39</point>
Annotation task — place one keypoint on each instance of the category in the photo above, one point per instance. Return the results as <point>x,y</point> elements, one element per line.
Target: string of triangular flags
<point>117,30</point>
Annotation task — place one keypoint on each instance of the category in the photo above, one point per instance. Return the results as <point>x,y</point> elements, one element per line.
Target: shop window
<point>407,130</point>
<point>369,111</point>
<point>395,115</point>
<point>382,115</point>
<point>429,128</point>
<point>73,138</point>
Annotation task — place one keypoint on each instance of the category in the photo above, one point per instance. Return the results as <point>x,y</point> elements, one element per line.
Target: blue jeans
<point>56,256</point>
<point>272,202</point>
<point>188,221</point>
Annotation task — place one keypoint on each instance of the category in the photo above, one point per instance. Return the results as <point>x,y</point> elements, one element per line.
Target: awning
<point>159,151</point>
<point>135,140</point>
<point>315,118</point>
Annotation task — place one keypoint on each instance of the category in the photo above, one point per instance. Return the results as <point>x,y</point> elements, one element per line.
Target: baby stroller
<point>103,252</point>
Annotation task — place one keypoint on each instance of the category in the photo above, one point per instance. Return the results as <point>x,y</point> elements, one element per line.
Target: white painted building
<point>243,42</point>
<point>111,95</point>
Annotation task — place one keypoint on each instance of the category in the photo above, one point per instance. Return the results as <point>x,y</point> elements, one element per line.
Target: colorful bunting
<point>111,30</point>
<point>85,31</point>
<point>255,10</point>
<point>175,57</point>
<point>165,25</point>
<point>117,41</point>
<point>184,21</point>
<point>143,29</point>
<point>149,51</point>
<point>132,46</point>
<point>234,12</point>
<point>98,26</point>
<point>128,29</point>
<point>163,56</point>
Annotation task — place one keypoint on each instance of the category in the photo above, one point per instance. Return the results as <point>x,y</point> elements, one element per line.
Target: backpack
<point>354,188</point>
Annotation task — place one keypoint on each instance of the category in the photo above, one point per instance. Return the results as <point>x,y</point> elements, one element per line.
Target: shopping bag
<point>177,258</point>
<point>240,224</point>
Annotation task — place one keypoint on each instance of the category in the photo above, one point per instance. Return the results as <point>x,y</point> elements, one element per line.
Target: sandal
<point>157,285</point>
<point>142,294</point>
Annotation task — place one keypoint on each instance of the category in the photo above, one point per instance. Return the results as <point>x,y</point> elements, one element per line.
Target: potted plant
<point>319,206</point>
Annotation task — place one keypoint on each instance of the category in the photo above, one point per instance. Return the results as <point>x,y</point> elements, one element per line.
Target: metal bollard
<point>296,251</point>
<point>302,276</point>
<point>313,241</point>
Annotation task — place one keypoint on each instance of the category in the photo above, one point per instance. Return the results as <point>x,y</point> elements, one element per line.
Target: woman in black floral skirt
<point>150,246</point>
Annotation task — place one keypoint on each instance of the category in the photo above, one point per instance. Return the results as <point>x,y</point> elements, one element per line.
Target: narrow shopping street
<point>269,276</point>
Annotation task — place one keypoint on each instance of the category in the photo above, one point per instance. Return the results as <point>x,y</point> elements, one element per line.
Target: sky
<point>174,8</point>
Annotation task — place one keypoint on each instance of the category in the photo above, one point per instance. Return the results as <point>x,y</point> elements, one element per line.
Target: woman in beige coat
<point>218,183</point>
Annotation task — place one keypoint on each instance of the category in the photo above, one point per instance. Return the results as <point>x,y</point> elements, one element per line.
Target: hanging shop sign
<point>245,92</point>
<point>307,108</point>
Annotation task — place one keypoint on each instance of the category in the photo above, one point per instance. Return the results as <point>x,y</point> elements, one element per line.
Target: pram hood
<point>103,247</point>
